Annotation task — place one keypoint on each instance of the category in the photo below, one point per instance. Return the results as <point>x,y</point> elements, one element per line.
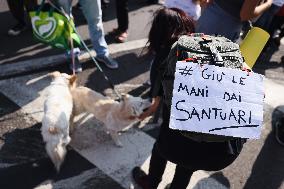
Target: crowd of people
<point>222,17</point>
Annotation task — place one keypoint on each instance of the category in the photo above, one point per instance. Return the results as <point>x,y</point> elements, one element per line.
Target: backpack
<point>202,49</point>
<point>53,28</point>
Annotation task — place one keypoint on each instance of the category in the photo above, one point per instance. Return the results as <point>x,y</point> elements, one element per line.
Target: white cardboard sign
<point>217,100</point>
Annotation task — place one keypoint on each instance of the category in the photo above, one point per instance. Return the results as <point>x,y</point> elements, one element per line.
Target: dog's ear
<point>54,74</point>
<point>72,81</point>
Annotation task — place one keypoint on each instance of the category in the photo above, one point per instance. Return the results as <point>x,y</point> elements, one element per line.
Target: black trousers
<point>122,15</point>
<point>157,167</point>
<point>17,8</point>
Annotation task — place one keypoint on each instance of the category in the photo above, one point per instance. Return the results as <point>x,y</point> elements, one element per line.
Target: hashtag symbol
<point>185,71</point>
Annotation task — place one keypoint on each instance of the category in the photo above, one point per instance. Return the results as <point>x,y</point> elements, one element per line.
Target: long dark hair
<point>168,25</point>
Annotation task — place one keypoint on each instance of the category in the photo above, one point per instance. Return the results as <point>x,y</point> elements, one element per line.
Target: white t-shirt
<point>192,9</point>
<point>279,3</point>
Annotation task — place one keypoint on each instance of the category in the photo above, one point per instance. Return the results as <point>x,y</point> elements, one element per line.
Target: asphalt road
<point>93,161</point>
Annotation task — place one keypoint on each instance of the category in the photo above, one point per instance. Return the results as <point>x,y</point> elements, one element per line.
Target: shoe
<point>108,61</point>
<point>17,29</point>
<point>140,178</point>
<point>121,37</point>
<point>279,131</point>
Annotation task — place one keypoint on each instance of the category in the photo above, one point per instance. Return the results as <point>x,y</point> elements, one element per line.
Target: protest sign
<point>217,100</point>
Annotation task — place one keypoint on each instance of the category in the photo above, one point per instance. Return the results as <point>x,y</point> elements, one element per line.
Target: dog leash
<point>61,10</point>
<point>72,55</point>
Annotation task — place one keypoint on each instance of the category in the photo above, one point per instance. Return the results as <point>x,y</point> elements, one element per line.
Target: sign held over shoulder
<point>217,100</point>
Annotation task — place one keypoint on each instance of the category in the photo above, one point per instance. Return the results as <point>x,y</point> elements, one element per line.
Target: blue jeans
<point>93,14</point>
<point>215,20</point>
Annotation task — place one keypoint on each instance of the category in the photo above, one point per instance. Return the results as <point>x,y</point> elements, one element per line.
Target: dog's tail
<point>56,153</point>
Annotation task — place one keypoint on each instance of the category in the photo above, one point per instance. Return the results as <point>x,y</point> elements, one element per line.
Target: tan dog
<point>58,108</point>
<point>116,116</point>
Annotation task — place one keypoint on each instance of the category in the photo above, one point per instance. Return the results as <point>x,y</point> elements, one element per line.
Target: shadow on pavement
<point>131,66</point>
<point>263,62</point>
<point>24,149</point>
<point>215,181</point>
<point>267,171</point>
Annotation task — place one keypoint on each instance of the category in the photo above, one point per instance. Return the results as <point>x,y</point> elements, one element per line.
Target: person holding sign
<point>172,145</point>
<point>167,26</point>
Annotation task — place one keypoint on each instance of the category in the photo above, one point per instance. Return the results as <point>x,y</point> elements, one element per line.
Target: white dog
<point>57,115</point>
<point>116,116</point>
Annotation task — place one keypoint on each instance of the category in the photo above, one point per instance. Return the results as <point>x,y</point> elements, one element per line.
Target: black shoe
<point>141,178</point>
<point>108,61</point>
<point>17,29</point>
<point>279,131</point>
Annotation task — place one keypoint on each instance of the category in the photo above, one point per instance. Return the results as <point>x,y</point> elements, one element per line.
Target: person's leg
<point>156,168</point>
<point>122,20</point>
<point>181,178</point>
<point>122,15</point>
<point>93,14</point>
<point>30,4</point>
<point>17,10</point>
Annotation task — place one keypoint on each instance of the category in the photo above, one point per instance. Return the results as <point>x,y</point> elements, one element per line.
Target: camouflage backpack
<point>202,49</point>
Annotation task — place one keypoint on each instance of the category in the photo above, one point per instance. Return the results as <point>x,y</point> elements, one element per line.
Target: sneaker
<point>279,131</point>
<point>140,178</point>
<point>108,61</point>
<point>17,29</point>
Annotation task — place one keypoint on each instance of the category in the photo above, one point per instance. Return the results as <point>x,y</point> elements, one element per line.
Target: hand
<point>145,114</point>
<point>152,109</point>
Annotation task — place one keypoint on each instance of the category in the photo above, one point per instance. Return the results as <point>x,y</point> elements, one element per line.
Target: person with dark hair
<point>168,25</point>
<point>17,8</point>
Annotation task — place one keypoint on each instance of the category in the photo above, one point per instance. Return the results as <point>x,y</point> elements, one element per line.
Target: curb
<point>21,67</point>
